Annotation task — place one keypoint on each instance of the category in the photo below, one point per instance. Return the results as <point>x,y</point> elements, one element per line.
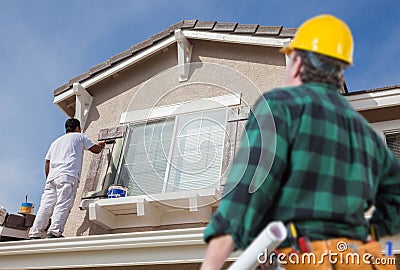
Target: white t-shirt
<point>66,155</point>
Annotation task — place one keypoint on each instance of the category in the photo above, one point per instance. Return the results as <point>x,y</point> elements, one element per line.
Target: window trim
<point>196,105</point>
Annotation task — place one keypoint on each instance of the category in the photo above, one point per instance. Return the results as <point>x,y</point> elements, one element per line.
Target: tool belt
<point>336,254</point>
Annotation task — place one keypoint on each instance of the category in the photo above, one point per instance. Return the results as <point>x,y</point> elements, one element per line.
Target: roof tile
<point>100,67</point>
<point>175,26</point>
<point>160,35</point>
<point>120,56</point>
<point>202,25</point>
<point>189,23</point>
<point>224,27</point>
<point>246,28</point>
<point>268,30</point>
<point>79,78</point>
<point>288,32</point>
<point>61,89</point>
<point>141,45</point>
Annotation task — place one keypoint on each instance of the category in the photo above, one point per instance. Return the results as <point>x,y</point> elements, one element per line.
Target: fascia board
<point>234,38</point>
<point>375,100</point>
<point>130,61</point>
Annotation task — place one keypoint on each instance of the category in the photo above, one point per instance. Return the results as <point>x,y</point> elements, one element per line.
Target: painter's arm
<point>97,147</point>
<point>47,167</point>
<point>218,250</point>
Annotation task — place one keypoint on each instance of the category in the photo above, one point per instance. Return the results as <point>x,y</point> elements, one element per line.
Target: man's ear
<point>297,65</point>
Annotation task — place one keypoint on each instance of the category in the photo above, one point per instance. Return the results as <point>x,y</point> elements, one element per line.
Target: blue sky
<point>45,43</point>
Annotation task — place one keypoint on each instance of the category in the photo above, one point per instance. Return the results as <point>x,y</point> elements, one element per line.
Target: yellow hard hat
<point>324,34</point>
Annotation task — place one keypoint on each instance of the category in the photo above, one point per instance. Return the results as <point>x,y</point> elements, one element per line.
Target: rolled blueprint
<point>269,239</point>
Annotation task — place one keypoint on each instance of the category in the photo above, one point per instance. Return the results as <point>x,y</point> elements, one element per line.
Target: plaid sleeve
<point>254,177</point>
<point>387,205</point>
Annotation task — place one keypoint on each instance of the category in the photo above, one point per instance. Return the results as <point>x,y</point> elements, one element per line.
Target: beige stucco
<point>145,85</point>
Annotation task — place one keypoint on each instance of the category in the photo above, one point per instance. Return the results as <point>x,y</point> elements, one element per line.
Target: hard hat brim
<point>286,50</point>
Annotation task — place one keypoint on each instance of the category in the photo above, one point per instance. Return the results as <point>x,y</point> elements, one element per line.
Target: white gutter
<point>143,248</point>
<point>233,38</point>
<point>375,100</point>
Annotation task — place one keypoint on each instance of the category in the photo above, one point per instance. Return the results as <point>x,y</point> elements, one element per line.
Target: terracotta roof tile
<point>120,56</point>
<point>288,32</point>
<point>201,25</point>
<point>246,28</point>
<point>189,23</point>
<point>224,27</point>
<point>100,67</point>
<point>268,30</point>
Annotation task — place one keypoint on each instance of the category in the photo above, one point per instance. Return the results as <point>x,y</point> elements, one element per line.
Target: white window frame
<point>172,144</point>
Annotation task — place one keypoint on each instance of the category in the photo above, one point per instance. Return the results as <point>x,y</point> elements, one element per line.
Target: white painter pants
<point>57,201</point>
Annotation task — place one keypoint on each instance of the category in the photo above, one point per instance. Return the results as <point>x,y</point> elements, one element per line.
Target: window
<point>393,142</point>
<point>175,154</point>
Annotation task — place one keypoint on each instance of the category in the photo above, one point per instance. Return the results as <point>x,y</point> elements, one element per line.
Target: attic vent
<point>393,142</point>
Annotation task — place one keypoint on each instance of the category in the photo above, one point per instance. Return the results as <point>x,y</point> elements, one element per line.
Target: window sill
<point>155,210</point>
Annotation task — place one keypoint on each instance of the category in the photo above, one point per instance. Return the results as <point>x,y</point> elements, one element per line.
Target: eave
<point>370,100</point>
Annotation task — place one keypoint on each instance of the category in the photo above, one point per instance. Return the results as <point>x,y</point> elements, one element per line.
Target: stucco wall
<point>253,70</point>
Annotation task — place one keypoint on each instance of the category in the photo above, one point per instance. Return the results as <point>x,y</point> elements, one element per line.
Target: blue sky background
<point>45,43</point>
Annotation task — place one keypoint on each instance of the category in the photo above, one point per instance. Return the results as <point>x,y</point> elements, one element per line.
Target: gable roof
<point>207,26</point>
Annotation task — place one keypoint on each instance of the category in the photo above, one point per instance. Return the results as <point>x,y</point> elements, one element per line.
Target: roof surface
<point>209,26</point>
<point>386,88</point>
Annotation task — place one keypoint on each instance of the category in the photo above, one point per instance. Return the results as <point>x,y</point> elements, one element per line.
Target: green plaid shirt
<point>328,168</point>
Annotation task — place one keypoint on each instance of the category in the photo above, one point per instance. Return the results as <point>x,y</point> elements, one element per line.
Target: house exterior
<point>172,110</point>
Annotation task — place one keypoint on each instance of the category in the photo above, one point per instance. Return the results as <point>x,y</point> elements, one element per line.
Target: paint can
<point>117,191</point>
<point>26,208</point>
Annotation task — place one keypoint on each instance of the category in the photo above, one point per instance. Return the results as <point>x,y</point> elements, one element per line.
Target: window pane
<point>145,157</point>
<point>393,142</point>
<point>197,154</point>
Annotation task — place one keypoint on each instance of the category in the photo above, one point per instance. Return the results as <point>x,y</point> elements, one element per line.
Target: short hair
<point>71,124</point>
<point>321,68</point>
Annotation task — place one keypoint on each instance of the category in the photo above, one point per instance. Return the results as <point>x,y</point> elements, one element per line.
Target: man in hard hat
<point>63,169</point>
<point>328,167</point>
